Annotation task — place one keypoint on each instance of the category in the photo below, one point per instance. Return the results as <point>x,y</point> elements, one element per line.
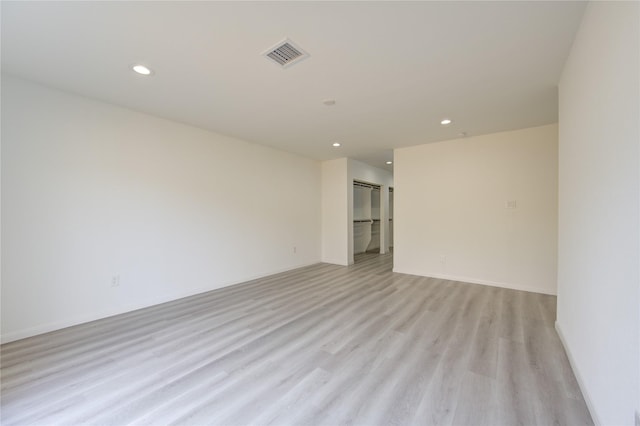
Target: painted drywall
<point>450,219</point>
<point>335,222</point>
<point>598,277</point>
<point>91,191</point>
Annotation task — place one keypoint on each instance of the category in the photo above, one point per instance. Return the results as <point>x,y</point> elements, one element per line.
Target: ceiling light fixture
<point>389,162</point>
<point>141,69</point>
<point>445,122</point>
<point>336,144</point>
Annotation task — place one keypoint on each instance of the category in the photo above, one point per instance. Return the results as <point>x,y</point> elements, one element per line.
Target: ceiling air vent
<point>286,53</point>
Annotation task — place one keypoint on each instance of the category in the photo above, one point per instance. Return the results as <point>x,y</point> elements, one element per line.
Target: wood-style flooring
<point>320,345</point>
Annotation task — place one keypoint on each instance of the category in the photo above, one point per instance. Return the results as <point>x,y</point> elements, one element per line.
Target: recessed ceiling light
<point>336,144</point>
<point>329,102</point>
<point>445,122</point>
<point>389,162</point>
<point>141,69</point>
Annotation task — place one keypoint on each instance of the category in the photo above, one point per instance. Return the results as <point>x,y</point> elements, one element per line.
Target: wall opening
<point>367,208</point>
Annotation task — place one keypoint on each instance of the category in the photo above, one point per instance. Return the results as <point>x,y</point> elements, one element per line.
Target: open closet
<point>390,217</point>
<point>366,218</point>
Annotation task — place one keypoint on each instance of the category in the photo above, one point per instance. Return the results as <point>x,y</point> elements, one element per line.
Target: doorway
<point>390,220</point>
<point>367,209</point>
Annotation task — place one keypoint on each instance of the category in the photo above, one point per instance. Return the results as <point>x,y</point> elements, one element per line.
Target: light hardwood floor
<point>321,345</point>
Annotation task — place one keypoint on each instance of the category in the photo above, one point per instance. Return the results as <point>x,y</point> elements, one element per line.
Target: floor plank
<point>320,345</point>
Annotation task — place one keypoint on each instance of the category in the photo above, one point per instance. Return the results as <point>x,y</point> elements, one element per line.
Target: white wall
<point>598,276</point>
<point>335,222</point>
<point>90,190</point>
<point>450,219</point>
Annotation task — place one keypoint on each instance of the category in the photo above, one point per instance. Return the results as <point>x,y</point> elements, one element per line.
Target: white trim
<point>46,328</point>
<point>479,281</point>
<point>576,372</point>
<point>335,262</point>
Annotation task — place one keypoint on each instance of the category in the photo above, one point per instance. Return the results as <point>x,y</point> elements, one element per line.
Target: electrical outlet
<point>115,281</point>
<point>443,260</point>
<point>511,204</point>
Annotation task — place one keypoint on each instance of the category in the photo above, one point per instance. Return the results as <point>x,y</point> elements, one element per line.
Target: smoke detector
<point>286,53</point>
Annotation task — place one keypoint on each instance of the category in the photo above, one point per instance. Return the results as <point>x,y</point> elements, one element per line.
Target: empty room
<point>320,213</point>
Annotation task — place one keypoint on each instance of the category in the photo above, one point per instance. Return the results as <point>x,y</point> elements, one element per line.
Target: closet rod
<point>366,185</point>
<point>363,221</point>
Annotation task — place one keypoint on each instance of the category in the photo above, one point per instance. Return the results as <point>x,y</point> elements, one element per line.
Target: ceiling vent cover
<point>286,53</point>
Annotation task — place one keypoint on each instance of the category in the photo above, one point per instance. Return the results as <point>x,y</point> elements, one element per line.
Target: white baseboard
<point>576,373</point>
<point>59,325</point>
<point>335,262</point>
<point>479,281</point>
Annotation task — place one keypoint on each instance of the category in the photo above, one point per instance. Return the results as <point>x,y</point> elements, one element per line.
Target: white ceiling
<point>394,68</point>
